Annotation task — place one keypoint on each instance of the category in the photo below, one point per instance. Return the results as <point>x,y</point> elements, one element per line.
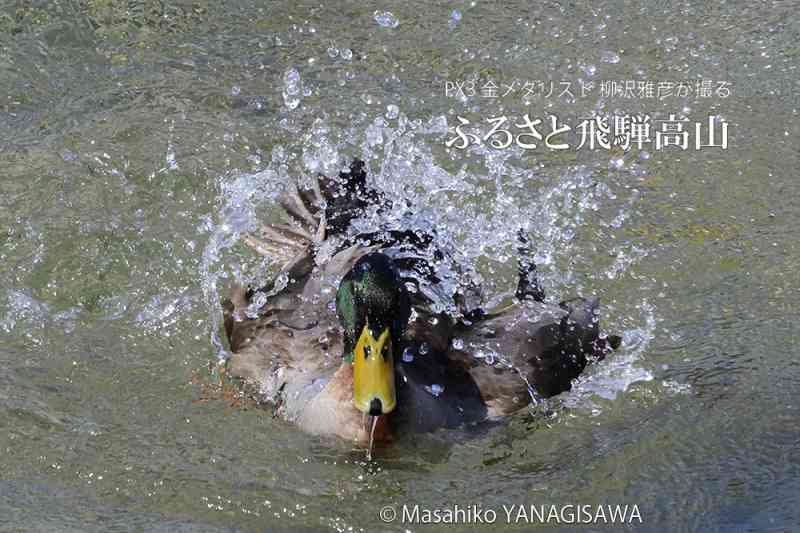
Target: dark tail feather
<point>528,287</point>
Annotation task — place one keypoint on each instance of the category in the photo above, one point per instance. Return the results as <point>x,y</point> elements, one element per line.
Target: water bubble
<point>346,54</point>
<point>424,348</point>
<point>292,88</point>
<point>392,111</point>
<point>617,163</point>
<point>455,18</point>
<point>278,154</point>
<point>609,57</point>
<point>458,344</point>
<point>408,355</point>
<point>172,162</point>
<point>291,101</point>
<point>236,90</point>
<point>333,52</point>
<point>386,19</point>
<point>291,80</point>
<point>644,155</point>
<point>435,389</point>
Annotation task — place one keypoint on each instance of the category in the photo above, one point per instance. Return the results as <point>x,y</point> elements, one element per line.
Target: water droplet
<point>292,88</point>
<point>172,162</point>
<point>458,344</point>
<point>386,19</point>
<point>408,355</point>
<point>291,77</point>
<point>609,57</point>
<point>256,303</point>
<point>373,135</point>
<point>435,389</point>
<point>278,154</point>
<point>424,348</point>
<point>392,111</point>
<point>291,101</point>
<point>455,18</point>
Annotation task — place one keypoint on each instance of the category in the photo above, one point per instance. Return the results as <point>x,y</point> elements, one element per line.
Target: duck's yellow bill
<point>373,374</point>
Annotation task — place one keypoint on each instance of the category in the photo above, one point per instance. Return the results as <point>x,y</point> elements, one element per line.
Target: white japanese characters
<point>593,133</point>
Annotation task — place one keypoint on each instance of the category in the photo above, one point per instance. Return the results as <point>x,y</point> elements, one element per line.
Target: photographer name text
<point>512,514</point>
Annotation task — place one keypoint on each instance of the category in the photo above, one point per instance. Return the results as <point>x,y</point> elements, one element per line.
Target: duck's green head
<point>373,308</point>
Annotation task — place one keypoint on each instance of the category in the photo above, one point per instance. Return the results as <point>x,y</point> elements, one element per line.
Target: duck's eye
<point>367,352</point>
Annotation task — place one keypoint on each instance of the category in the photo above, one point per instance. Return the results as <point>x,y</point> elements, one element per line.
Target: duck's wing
<point>320,210</point>
<point>284,336</point>
<point>529,350</point>
<point>317,213</point>
<point>287,351</point>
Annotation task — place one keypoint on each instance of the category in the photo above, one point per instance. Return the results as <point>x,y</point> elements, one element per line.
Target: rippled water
<point>139,141</point>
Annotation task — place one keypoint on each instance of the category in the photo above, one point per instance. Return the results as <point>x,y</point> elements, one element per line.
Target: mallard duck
<point>351,338</point>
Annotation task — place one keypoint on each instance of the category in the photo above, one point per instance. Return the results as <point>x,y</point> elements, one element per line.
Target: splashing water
<point>239,198</point>
<point>22,308</point>
<point>436,195</point>
<point>617,373</point>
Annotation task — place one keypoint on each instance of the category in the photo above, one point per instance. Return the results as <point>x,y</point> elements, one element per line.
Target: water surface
<point>139,140</point>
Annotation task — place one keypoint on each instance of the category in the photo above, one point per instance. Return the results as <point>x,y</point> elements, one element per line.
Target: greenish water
<point>138,140</point>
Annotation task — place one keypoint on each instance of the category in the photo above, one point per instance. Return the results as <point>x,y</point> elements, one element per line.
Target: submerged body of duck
<point>348,339</point>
